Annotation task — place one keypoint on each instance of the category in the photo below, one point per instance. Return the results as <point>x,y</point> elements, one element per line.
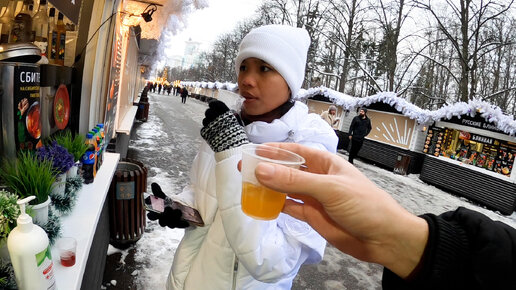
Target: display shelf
<point>128,120</point>
<point>472,183</point>
<point>81,223</point>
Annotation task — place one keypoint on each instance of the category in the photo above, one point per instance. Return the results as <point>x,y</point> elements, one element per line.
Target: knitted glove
<point>171,218</point>
<point>222,128</point>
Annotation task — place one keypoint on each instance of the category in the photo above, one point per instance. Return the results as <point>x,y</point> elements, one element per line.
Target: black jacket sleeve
<point>465,250</point>
<point>352,126</point>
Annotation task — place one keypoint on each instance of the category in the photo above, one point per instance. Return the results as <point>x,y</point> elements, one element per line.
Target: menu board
<point>27,107</point>
<point>434,140</point>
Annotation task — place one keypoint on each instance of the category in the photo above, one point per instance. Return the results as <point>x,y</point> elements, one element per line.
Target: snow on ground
<point>419,197</point>
<point>156,248</point>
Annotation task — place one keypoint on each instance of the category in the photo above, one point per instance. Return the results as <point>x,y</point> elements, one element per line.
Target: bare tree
<point>470,44</point>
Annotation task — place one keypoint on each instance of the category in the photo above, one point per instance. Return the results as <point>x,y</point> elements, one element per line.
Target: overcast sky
<point>203,26</point>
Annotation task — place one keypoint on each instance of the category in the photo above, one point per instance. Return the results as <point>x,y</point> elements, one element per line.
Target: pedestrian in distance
<point>233,250</point>
<point>169,88</point>
<point>160,86</point>
<point>460,249</point>
<point>330,116</point>
<point>358,130</point>
<point>184,95</point>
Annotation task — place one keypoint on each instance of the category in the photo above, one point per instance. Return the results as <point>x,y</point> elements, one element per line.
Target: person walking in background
<point>233,250</point>
<point>160,86</point>
<point>359,128</point>
<point>330,116</point>
<point>459,249</point>
<point>184,94</point>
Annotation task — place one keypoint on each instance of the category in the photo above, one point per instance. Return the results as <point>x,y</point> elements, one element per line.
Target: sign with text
<point>70,8</point>
<point>482,139</point>
<point>475,122</point>
<point>27,107</point>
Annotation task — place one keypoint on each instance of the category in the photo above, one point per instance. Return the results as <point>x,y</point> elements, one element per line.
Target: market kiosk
<point>398,127</point>
<point>394,140</point>
<point>473,158</point>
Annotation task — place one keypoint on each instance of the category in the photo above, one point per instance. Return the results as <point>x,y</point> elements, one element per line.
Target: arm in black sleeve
<point>352,126</point>
<point>368,126</point>
<point>465,250</point>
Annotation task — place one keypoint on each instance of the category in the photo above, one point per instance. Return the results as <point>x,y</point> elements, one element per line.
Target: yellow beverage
<point>260,202</point>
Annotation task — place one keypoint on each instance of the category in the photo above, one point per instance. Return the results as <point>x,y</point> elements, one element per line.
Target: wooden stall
<point>473,158</point>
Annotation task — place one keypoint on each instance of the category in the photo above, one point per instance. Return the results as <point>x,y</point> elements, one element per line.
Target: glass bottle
<point>59,37</point>
<point>40,23</point>
<point>7,21</point>
<point>52,45</point>
<point>21,30</point>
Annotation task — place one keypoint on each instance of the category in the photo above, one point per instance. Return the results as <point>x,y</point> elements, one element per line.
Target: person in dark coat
<point>184,94</point>
<point>359,128</point>
<point>159,88</point>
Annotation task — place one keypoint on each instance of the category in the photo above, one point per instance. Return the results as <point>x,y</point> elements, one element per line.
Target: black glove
<point>222,127</point>
<point>170,217</point>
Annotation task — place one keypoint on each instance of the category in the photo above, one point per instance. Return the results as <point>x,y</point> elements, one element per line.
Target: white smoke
<point>176,20</point>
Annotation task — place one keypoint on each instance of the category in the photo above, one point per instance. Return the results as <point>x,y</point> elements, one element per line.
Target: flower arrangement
<point>9,212</point>
<point>61,159</point>
<point>27,176</point>
<point>75,145</point>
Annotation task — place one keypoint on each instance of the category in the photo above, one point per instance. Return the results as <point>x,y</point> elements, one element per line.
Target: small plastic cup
<point>260,202</point>
<point>67,248</point>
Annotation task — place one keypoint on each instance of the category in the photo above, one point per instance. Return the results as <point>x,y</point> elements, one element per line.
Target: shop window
<point>475,150</point>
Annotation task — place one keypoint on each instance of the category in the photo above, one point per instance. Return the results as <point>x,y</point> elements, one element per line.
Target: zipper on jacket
<point>235,271</point>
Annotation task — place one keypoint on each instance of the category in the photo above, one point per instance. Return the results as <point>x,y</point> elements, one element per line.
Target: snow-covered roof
<point>209,85</point>
<point>489,112</point>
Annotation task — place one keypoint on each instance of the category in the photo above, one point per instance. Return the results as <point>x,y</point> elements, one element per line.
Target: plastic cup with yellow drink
<point>260,202</point>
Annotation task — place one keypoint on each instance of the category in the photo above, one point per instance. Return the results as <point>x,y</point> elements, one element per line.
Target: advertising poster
<point>392,129</point>
<point>114,85</point>
<point>27,108</point>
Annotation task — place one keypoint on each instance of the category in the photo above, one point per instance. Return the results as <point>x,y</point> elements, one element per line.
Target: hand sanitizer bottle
<point>30,253</point>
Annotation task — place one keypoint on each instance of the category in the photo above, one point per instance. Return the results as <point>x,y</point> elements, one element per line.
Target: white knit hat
<point>283,47</point>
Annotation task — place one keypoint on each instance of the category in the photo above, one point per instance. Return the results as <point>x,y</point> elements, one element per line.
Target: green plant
<point>9,212</point>
<point>7,280</point>
<point>28,176</point>
<point>75,145</point>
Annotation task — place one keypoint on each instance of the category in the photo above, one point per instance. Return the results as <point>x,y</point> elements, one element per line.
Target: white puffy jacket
<point>232,250</point>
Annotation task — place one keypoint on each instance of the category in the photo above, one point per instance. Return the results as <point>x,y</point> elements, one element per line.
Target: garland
<point>52,227</point>
<point>7,280</point>
<point>65,203</point>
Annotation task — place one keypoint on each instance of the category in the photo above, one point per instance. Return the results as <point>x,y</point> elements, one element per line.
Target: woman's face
<point>263,88</point>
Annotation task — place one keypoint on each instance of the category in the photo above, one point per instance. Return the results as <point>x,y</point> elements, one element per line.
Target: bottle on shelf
<point>30,254</point>
<point>21,30</point>
<point>71,44</point>
<point>7,21</point>
<point>89,160</point>
<point>40,22</point>
<point>52,42</point>
<point>59,40</point>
